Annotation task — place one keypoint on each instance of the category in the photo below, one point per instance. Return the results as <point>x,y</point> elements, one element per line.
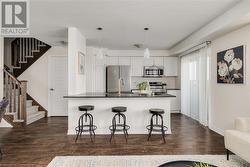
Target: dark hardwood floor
<point>38,143</point>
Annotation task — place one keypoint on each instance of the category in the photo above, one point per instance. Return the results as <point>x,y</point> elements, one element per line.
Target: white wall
<point>76,44</point>
<point>7,52</point>
<point>218,26</point>
<point>37,75</point>
<point>1,66</point>
<point>3,122</point>
<point>229,101</point>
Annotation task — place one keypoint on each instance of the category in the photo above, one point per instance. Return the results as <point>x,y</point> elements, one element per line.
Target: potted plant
<point>143,87</point>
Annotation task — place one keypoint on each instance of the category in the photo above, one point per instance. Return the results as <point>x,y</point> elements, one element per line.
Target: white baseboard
<point>217,130</point>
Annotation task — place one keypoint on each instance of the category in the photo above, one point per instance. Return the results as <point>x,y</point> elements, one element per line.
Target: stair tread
<point>18,120</point>
<point>36,114</point>
<point>9,113</point>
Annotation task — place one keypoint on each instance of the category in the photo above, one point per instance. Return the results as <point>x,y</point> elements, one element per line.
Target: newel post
<point>23,98</point>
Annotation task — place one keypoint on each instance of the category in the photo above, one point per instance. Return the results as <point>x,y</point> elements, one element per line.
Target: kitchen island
<point>138,116</point>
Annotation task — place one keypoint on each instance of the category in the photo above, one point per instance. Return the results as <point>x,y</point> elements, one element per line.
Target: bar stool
<point>156,123</point>
<point>85,122</point>
<point>121,124</point>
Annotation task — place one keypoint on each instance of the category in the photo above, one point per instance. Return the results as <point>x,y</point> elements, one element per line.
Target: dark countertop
<point>116,95</point>
<point>173,89</point>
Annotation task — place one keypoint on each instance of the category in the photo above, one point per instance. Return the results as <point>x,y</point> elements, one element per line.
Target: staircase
<point>26,51</point>
<point>22,109</point>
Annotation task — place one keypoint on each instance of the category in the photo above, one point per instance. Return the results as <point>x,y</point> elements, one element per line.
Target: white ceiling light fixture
<point>146,51</point>
<point>100,53</point>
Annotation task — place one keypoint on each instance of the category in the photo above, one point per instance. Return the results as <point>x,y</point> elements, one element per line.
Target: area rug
<point>143,161</point>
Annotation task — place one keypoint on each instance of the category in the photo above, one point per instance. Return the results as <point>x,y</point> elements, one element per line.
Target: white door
<point>58,85</point>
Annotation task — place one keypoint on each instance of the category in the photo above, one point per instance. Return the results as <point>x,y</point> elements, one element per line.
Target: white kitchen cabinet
<point>158,61</point>
<point>100,78</point>
<point>124,61</point>
<point>175,105</point>
<point>137,66</point>
<point>171,66</point>
<point>111,60</point>
<point>148,61</point>
<point>99,61</point>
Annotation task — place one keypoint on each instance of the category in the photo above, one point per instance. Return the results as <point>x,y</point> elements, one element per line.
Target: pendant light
<point>100,53</point>
<point>146,51</point>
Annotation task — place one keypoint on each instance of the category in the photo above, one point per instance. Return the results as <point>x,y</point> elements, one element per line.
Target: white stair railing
<point>26,48</point>
<point>16,92</point>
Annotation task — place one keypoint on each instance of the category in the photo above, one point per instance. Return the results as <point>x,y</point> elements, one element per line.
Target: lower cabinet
<point>175,105</point>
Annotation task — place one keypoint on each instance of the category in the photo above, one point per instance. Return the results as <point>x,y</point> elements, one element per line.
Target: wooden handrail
<point>16,92</point>
<point>12,76</point>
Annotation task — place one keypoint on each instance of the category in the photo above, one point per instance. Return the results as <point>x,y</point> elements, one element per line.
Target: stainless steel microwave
<point>153,71</point>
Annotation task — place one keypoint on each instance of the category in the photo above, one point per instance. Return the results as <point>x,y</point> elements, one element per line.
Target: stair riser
<point>35,117</point>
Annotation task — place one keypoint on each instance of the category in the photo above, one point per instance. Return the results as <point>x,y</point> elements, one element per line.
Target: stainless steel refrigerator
<point>116,75</point>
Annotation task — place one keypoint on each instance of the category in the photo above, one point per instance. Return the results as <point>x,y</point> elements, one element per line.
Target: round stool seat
<point>156,111</point>
<point>119,109</point>
<point>86,108</point>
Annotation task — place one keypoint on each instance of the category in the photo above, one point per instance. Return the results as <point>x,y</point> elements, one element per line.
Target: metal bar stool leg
<point>162,129</point>
<point>124,127</point>
<point>92,129</point>
<point>113,128</point>
<point>90,126</point>
<point>151,127</point>
<point>79,127</point>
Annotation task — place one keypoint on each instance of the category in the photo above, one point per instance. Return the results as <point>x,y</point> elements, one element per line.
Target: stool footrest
<point>157,128</point>
<point>119,127</point>
<point>85,128</point>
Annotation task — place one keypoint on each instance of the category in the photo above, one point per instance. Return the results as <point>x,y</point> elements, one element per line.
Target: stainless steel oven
<point>153,71</point>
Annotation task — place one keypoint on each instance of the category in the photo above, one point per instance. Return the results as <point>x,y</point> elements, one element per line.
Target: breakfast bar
<point>137,114</point>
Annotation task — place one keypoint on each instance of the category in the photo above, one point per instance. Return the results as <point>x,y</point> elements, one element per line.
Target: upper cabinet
<point>158,61</point>
<point>124,61</point>
<point>111,60</point>
<point>148,61</point>
<point>137,66</point>
<point>171,66</point>
<point>100,62</point>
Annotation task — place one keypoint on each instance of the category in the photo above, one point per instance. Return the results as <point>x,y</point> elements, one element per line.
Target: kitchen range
<point>119,92</point>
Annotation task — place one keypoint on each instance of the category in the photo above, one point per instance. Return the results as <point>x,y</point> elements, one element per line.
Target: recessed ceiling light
<point>99,28</point>
<point>146,28</point>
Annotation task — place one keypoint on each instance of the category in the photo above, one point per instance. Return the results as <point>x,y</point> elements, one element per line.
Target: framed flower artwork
<point>230,66</point>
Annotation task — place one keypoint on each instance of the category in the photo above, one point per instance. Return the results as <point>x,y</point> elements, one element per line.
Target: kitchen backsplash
<point>170,81</point>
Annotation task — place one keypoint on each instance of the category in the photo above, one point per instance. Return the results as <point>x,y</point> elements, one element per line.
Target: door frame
<point>49,81</point>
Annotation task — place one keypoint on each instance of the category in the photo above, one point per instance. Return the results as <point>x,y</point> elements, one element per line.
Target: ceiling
<point>123,21</point>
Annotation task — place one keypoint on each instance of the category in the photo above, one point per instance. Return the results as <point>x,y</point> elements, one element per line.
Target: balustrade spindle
<point>15,92</point>
<point>36,45</point>
<point>26,48</point>
<point>10,95</point>
<point>20,50</point>
<point>23,50</point>
<point>30,47</point>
